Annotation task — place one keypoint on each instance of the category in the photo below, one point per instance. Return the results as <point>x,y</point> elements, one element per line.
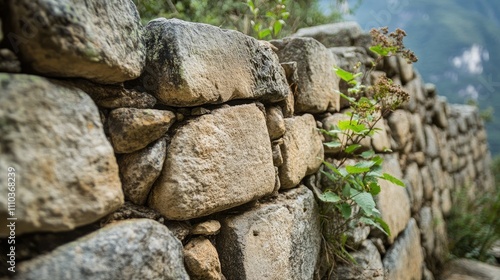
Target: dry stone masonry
<point>179,150</point>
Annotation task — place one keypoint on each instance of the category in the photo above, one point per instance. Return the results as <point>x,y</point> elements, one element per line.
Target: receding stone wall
<point>180,150</point>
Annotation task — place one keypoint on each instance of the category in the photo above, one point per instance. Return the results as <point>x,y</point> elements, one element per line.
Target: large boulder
<point>317,81</point>
<point>190,64</point>
<point>340,34</point>
<point>96,40</point>
<point>302,150</point>
<point>132,249</point>
<point>404,260</point>
<point>212,165</point>
<point>65,170</point>
<point>276,240</point>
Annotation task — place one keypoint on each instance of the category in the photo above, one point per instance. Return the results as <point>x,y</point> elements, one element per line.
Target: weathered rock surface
<point>464,269</point>
<point>275,240</point>
<point>404,260</point>
<point>133,249</point>
<point>368,264</point>
<point>275,122</point>
<point>201,259</point>
<point>302,150</point>
<point>65,168</point>
<point>115,96</point>
<point>212,166</point>
<point>393,201</point>
<point>139,170</point>
<point>9,61</point>
<point>317,82</point>
<point>190,64</point>
<point>211,227</point>
<point>96,40</point>
<point>426,225</point>
<point>340,34</point>
<point>400,124</point>
<point>415,187</point>
<point>132,129</point>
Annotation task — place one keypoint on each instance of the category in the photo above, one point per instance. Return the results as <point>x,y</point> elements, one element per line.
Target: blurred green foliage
<point>474,223</point>
<point>237,14</point>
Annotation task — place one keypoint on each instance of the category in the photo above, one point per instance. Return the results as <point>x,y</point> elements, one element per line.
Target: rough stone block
<point>341,34</point>
<point>191,64</point>
<point>393,201</point>
<point>97,40</point>
<point>404,260</point>
<point>317,81</point>
<point>66,172</point>
<point>416,188</point>
<point>132,129</point>
<point>139,170</point>
<point>212,166</point>
<point>276,240</point>
<point>132,249</point>
<point>368,264</point>
<point>201,259</point>
<point>302,150</point>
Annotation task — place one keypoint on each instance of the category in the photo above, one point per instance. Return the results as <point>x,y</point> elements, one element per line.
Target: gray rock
<point>212,166</point>
<point>132,129</point>
<point>368,264</point>
<point>133,249</point>
<point>393,201</point>
<point>302,150</point>
<point>275,122</point>
<point>179,76</point>
<point>440,117</point>
<point>400,123</point>
<point>404,260</point>
<point>469,270</point>
<point>211,227</point>
<point>96,40</point>
<point>416,91</point>
<point>139,170</point>
<point>405,70</point>
<point>275,240</point>
<point>341,34</point>
<point>201,259</point>
<point>66,170</point>
<point>426,225</point>
<point>9,61</point>
<point>115,96</point>
<point>317,82</point>
<point>427,182</point>
<point>431,143</point>
<point>446,202</point>
<point>418,132</point>
<point>380,142</point>
<point>413,176</point>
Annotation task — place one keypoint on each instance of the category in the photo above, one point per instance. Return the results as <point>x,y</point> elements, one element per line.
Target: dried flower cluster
<point>388,95</point>
<point>393,41</point>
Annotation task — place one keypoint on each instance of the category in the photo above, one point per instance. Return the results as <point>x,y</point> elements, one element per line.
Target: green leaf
<point>374,188</point>
<point>346,190</point>
<point>277,26</point>
<point>383,51</point>
<point>356,170</point>
<point>348,98</point>
<point>345,210</point>
<point>376,222</point>
<point>365,164</point>
<point>250,4</point>
<point>333,144</point>
<point>331,167</point>
<point>344,75</point>
<point>364,200</point>
<point>352,148</point>
<point>367,154</point>
<point>330,176</point>
<point>285,15</point>
<point>329,197</point>
<point>392,179</point>
<point>264,33</point>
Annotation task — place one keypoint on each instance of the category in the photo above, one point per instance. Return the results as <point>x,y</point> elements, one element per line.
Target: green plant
<point>474,225</point>
<point>348,198</point>
<point>271,24</point>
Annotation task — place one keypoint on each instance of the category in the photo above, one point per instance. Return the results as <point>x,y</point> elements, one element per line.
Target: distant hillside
<point>458,43</point>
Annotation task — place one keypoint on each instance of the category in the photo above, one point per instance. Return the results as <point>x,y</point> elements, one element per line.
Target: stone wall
<point>179,150</point>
